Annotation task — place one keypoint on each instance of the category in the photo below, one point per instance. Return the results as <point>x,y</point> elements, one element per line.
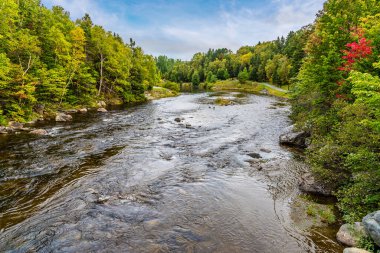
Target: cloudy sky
<point>180,28</point>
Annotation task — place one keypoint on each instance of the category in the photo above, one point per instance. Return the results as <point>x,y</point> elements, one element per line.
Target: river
<point>136,180</point>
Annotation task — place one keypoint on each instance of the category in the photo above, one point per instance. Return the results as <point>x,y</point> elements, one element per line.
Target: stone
<point>308,183</point>
<point>295,139</point>
<point>355,250</point>
<point>83,110</point>
<point>39,132</point>
<point>40,108</point>
<point>265,150</point>
<point>102,110</point>
<point>177,119</point>
<point>371,224</point>
<point>15,125</point>
<point>3,130</point>
<point>350,234</point>
<point>254,155</point>
<point>63,117</point>
<point>102,104</point>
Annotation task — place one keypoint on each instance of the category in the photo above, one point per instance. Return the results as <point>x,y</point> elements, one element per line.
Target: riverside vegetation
<point>331,66</point>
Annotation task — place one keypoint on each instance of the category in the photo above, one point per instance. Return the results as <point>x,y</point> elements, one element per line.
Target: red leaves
<point>356,51</point>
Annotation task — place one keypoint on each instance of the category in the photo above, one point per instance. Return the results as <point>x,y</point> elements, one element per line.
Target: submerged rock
<point>350,234</point>
<point>371,224</point>
<point>254,155</point>
<point>102,110</point>
<point>39,132</point>
<point>354,250</point>
<point>309,184</point>
<point>265,150</point>
<point>63,117</point>
<point>295,139</point>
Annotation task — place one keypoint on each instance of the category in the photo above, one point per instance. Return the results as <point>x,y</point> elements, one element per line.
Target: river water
<point>136,180</point>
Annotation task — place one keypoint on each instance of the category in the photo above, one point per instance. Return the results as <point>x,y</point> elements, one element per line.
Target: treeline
<point>46,59</point>
<point>275,61</point>
<point>337,99</point>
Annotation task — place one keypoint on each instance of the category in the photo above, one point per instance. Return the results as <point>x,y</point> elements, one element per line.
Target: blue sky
<point>180,28</point>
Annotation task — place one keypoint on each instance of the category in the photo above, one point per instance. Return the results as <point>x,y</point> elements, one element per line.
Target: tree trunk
<point>101,74</point>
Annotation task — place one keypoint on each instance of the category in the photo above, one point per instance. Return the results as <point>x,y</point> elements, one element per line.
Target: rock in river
<point>83,110</point>
<point>102,110</point>
<point>371,224</point>
<point>295,139</point>
<point>62,117</point>
<point>350,234</point>
<point>308,183</point>
<point>39,132</point>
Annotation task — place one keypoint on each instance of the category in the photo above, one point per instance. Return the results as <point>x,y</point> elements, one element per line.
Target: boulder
<point>177,119</point>
<point>3,130</point>
<point>295,139</point>
<point>102,104</point>
<point>254,155</point>
<point>40,108</point>
<point>102,110</point>
<point>350,234</point>
<point>39,132</point>
<point>83,110</point>
<point>62,117</point>
<point>15,125</point>
<point>309,184</point>
<point>354,250</point>
<point>371,224</point>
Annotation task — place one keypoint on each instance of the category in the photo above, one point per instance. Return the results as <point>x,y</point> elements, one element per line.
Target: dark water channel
<point>135,180</point>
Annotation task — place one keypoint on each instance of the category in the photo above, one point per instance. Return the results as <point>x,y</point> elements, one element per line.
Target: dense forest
<point>47,60</point>
<point>337,99</point>
<point>333,66</point>
<point>275,61</point>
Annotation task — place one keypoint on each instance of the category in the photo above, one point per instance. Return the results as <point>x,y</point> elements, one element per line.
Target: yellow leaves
<point>246,58</point>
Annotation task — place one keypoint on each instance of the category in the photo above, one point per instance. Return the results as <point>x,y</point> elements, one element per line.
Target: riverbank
<point>250,87</point>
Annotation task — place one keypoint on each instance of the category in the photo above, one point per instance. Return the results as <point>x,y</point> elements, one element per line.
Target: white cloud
<point>232,26</point>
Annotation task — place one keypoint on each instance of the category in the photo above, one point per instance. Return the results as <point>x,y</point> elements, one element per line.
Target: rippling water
<point>135,180</point>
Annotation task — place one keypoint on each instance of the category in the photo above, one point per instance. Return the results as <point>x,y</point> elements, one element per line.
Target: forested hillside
<point>337,99</point>
<point>275,61</point>
<point>47,60</point>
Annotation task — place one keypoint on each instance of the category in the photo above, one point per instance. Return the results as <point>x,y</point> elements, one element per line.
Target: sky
<point>180,28</point>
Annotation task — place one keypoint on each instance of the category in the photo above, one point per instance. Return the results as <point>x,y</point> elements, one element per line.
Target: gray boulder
<point>295,139</point>
<point>371,224</point>
<point>102,110</point>
<point>350,234</point>
<point>354,250</point>
<point>62,117</point>
<point>309,184</point>
<point>39,132</point>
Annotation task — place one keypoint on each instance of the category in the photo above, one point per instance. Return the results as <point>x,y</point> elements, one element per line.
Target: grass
<point>222,101</point>
<point>160,92</point>
<point>249,87</point>
<point>323,212</point>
